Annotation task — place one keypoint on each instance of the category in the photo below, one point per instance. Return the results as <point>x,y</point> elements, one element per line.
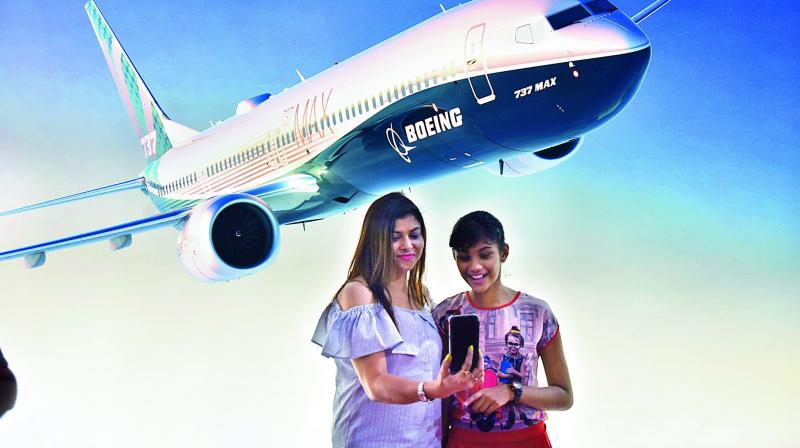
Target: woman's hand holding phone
<point>448,383</point>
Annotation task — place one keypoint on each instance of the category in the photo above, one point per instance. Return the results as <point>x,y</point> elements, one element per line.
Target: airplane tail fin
<point>157,133</point>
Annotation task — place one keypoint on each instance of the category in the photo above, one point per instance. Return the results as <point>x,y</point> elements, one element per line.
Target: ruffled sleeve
<point>357,332</point>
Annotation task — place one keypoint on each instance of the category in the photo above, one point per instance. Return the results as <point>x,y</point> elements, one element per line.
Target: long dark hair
<point>374,257</point>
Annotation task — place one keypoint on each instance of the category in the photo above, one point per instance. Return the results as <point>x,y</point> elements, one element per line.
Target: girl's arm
<point>557,395</point>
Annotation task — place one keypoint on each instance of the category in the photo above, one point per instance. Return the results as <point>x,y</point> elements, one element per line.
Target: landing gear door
<point>475,65</point>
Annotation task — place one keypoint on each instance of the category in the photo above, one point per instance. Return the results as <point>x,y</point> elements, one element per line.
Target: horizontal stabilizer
<point>649,11</point>
<point>133,184</point>
<point>119,237</point>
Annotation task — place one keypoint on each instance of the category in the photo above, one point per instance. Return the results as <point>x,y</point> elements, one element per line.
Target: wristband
<point>516,389</point>
<point>421,392</point>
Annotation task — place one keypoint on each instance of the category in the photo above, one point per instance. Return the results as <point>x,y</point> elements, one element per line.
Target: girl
<point>508,408</point>
<point>381,334</point>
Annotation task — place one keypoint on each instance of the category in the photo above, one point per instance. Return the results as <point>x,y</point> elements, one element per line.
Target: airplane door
<point>475,65</point>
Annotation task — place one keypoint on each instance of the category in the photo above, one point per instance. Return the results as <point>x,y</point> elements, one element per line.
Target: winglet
<point>649,11</point>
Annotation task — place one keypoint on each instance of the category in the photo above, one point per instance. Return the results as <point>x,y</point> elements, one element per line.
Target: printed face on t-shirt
<point>513,345</point>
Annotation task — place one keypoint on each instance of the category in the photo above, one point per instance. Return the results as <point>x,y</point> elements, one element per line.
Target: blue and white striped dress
<point>413,352</point>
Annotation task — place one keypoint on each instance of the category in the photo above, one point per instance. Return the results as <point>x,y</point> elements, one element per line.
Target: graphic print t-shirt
<point>511,338</point>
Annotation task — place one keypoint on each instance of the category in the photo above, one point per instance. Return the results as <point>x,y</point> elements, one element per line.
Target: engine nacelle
<point>538,161</point>
<point>228,237</point>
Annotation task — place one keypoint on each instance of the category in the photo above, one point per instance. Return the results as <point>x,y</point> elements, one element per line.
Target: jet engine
<point>538,161</point>
<point>228,237</point>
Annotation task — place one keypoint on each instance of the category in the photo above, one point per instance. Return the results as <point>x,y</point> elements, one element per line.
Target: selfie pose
<point>381,334</point>
<point>507,409</point>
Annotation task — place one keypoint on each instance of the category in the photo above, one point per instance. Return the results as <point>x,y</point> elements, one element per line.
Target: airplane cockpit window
<point>524,34</point>
<point>600,6</point>
<point>567,17</point>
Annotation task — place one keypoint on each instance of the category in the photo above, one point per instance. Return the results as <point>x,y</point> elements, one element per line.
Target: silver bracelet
<point>421,392</point>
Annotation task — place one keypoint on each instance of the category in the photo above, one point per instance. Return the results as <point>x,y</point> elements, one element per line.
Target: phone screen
<point>464,331</point>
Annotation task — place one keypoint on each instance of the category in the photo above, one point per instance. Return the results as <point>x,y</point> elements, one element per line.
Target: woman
<point>381,334</point>
<point>508,408</point>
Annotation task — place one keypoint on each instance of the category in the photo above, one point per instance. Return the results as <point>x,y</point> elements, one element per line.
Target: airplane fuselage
<point>509,85</point>
<point>483,82</point>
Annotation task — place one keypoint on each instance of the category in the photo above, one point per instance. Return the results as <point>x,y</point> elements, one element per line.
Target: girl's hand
<point>486,401</point>
<point>447,384</point>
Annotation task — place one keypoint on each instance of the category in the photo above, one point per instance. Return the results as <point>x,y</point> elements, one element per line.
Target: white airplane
<point>508,85</point>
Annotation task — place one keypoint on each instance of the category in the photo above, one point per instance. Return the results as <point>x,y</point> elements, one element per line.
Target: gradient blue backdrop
<point>668,246</point>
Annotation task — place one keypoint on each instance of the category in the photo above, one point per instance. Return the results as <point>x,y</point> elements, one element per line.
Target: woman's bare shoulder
<point>355,293</point>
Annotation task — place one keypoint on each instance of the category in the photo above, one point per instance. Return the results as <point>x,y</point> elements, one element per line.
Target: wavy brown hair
<point>374,256</point>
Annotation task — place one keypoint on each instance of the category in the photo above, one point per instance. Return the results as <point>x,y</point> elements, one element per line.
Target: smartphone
<point>464,331</point>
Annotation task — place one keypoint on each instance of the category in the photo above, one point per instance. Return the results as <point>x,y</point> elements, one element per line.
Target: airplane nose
<point>613,32</point>
<point>633,36</point>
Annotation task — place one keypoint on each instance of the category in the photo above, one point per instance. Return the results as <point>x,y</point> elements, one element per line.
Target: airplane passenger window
<point>567,17</point>
<point>524,35</point>
<point>380,98</point>
<point>374,103</point>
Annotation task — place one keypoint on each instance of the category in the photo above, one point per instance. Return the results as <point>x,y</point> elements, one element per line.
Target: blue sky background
<point>668,246</point>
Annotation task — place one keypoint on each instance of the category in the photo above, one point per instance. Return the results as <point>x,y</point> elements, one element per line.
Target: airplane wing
<point>133,184</point>
<point>119,236</point>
